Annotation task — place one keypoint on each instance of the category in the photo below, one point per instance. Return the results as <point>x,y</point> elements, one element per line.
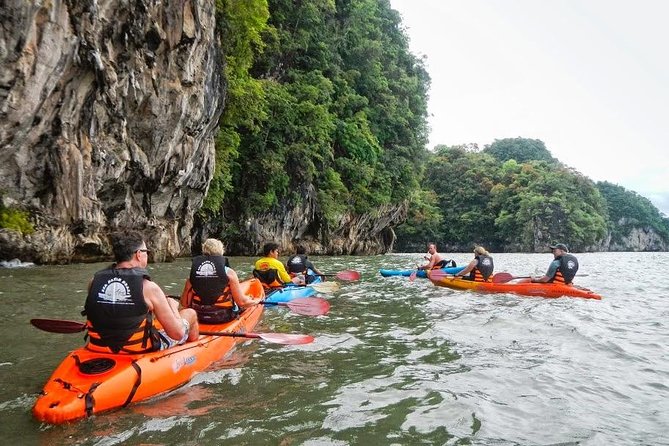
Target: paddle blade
<point>412,276</point>
<point>502,278</point>
<point>58,325</point>
<point>325,287</point>
<point>286,338</point>
<point>348,275</point>
<point>308,306</point>
<point>277,338</point>
<point>437,274</point>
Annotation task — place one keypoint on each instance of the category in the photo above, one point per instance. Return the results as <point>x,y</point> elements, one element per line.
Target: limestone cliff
<point>108,111</point>
<point>298,222</point>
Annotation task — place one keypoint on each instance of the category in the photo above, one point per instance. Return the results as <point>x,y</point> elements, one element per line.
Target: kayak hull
<point>419,273</point>
<point>87,382</point>
<point>290,292</point>
<point>522,287</point>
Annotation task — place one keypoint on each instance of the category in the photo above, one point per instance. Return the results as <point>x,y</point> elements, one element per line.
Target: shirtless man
<point>432,256</point>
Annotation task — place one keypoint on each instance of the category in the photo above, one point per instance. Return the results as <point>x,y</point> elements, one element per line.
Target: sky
<point>590,78</point>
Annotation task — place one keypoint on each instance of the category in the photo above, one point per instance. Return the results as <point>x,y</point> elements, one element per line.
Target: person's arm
<point>429,264</point>
<point>167,315</point>
<point>470,266</point>
<point>552,268</point>
<point>283,274</point>
<point>311,266</point>
<point>186,294</point>
<point>241,299</point>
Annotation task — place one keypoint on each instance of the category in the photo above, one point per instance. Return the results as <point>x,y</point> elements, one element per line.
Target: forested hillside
<point>325,101</point>
<point>515,196</point>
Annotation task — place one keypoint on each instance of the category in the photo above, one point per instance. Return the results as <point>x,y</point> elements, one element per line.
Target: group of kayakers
<point>562,269</point>
<point>273,274</point>
<point>128,312</point>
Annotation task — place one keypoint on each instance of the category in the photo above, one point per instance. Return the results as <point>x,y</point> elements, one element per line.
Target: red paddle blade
<point>348,275</point>
<point>502,277</point>
<point>412,276</point>
<point>58,325</point>
<point>309,306</point>
<point>286,338</point>
<point>437,274</point>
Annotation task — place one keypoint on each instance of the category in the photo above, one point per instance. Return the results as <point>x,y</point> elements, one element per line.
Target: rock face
<point>637,239</point>
<point>298,223</point>
<point>108,111</point>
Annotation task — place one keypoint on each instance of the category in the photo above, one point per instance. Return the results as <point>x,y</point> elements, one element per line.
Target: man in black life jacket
<point>212,289</point>
<point>300,264</point>
<point>562,269</point>
<point>123,304</point>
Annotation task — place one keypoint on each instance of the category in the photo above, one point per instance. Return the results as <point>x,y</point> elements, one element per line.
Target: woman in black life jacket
<point>480,269</point>
<point>212,289</point>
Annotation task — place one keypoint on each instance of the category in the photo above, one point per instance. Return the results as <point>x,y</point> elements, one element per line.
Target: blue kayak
<point>420,273</point>
<point>290,292</point>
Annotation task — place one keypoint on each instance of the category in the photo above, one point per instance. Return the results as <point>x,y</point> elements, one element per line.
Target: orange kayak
<point>88,382</point>
<point>523,287</point>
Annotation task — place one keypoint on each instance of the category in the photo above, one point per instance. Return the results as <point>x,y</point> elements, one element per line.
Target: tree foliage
<point>628,210</point>
<point>325,101</point>
<point>335,101</point>
<point>16,220</point>
<point>512,205</point>
<point>520,149</point>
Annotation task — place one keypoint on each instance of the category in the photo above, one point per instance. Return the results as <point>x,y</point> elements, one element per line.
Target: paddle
<point>68,327</point>
<point>277,338</point>
<point>324,287</point>
<point>348,275</point>
<point>507,277</point>
<point>58,325</point>
<point>436,274</point>
<point>413,274</point>
<point>306,306</point>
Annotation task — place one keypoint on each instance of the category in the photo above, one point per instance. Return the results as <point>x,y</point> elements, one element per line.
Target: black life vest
<point>297,264</point>
<point>118,317</point>
<point>567,269</point>
<point>450,263</point>
<point>212,299</point>
<point>483,269</point>
<point>209,280</point>
<point>268,277</point>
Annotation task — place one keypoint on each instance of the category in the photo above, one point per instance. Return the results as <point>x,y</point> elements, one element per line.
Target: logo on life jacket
<point>206,269</point>
<point>116,292</point>
<point>486,261</point>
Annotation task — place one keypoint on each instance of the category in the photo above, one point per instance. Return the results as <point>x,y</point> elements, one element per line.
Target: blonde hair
<point>480,250</point>
<point>212,247</point>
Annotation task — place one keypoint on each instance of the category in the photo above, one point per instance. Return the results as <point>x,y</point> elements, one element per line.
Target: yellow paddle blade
<point>325,287</point>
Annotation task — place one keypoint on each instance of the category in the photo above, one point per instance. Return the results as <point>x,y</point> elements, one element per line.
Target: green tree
<point>342,110</point>
<point>628,210</point>
<point>519,149</point>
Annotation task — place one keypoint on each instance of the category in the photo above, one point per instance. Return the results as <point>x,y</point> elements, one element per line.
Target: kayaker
<point>562,269</point>
<point>299,264</point>
<point>271,271</point>
<point>434,259</point>
<point>123,305</point>
<point>480,269</point>
<point>212,289</point>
